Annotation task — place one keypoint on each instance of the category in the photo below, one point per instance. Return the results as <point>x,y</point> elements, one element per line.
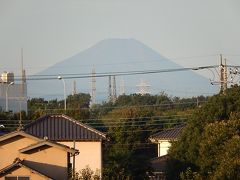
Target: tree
<point>87,174</point>
<point>212,128</point>
<point>126,155</point>
<point>219,152</point>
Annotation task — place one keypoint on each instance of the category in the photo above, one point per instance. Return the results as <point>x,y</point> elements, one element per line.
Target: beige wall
<point>51,161</point>
<point>163,147</point>
<point>90,154</point>
<point>9,149</point>
<point>25,172</point>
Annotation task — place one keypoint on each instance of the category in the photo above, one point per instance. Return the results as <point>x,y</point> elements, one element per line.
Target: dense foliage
<point>130,122</point>
<point>210,144</point>
<point>128,153</point>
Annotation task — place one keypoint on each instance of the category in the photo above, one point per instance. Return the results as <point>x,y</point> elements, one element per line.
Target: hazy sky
<point>190,32</point>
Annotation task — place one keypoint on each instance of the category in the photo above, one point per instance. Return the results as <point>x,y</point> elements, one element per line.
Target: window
<point>17,178</point>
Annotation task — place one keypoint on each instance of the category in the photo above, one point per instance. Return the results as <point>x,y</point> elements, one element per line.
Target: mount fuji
<point>119,55</point>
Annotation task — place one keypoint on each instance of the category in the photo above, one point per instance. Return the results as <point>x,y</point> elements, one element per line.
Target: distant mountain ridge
<point>114,55</point>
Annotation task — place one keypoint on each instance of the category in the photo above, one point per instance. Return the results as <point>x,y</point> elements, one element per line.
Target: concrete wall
<point>22,171</point>
<point>16,100</point>
<point>90,154</point>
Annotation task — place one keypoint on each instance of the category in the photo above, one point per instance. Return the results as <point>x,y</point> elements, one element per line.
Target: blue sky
<point>189,32</point>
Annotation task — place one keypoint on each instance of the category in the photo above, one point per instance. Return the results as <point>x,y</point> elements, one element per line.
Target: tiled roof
<point>17,164</point>
<point>63,128</point>
<point>168,134</point>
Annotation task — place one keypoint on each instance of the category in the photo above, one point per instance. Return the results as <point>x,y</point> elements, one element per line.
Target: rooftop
<point>168,134</point>
<point>59,127</point>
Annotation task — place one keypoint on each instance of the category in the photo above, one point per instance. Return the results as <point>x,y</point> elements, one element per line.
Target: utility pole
<point>223,75</point>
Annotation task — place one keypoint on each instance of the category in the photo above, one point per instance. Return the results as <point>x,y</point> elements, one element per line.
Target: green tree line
<point>209,148</point>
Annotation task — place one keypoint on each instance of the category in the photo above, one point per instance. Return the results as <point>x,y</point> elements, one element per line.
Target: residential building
<point>165,137</point>
<point>70,132</point>
<point>25,157</point>
<point>164,140</point>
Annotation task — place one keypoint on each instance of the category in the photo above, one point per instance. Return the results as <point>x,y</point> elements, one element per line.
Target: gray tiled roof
<point>169,134</point>
<point>63,128</point>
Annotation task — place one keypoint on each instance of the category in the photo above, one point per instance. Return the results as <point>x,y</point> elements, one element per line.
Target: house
<point>18,170</point>
<point>163,140</point>
<point>70,132</point>
<point>165,137</point>
<point>24,156</point>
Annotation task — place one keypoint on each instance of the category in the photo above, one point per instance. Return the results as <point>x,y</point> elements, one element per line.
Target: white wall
<point>163,147</point>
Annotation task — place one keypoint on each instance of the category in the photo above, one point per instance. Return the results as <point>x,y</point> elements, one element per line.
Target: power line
<point>7,126</point>
<point>125,123</point>
<point>121,73</point>
<point>140,130</point>
<point>121,107</point>
<point>127,62</point>
<point>109,120</point>
<point>120,126</point>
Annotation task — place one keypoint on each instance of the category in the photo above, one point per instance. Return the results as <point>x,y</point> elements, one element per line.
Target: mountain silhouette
<point>119,55</point>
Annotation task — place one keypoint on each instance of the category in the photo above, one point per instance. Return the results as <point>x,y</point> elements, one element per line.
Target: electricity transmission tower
<point>112,90</point>
<point>93,93</point>
<point>122,87</point>
<point>74,91</point>
<point>143,88</point>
